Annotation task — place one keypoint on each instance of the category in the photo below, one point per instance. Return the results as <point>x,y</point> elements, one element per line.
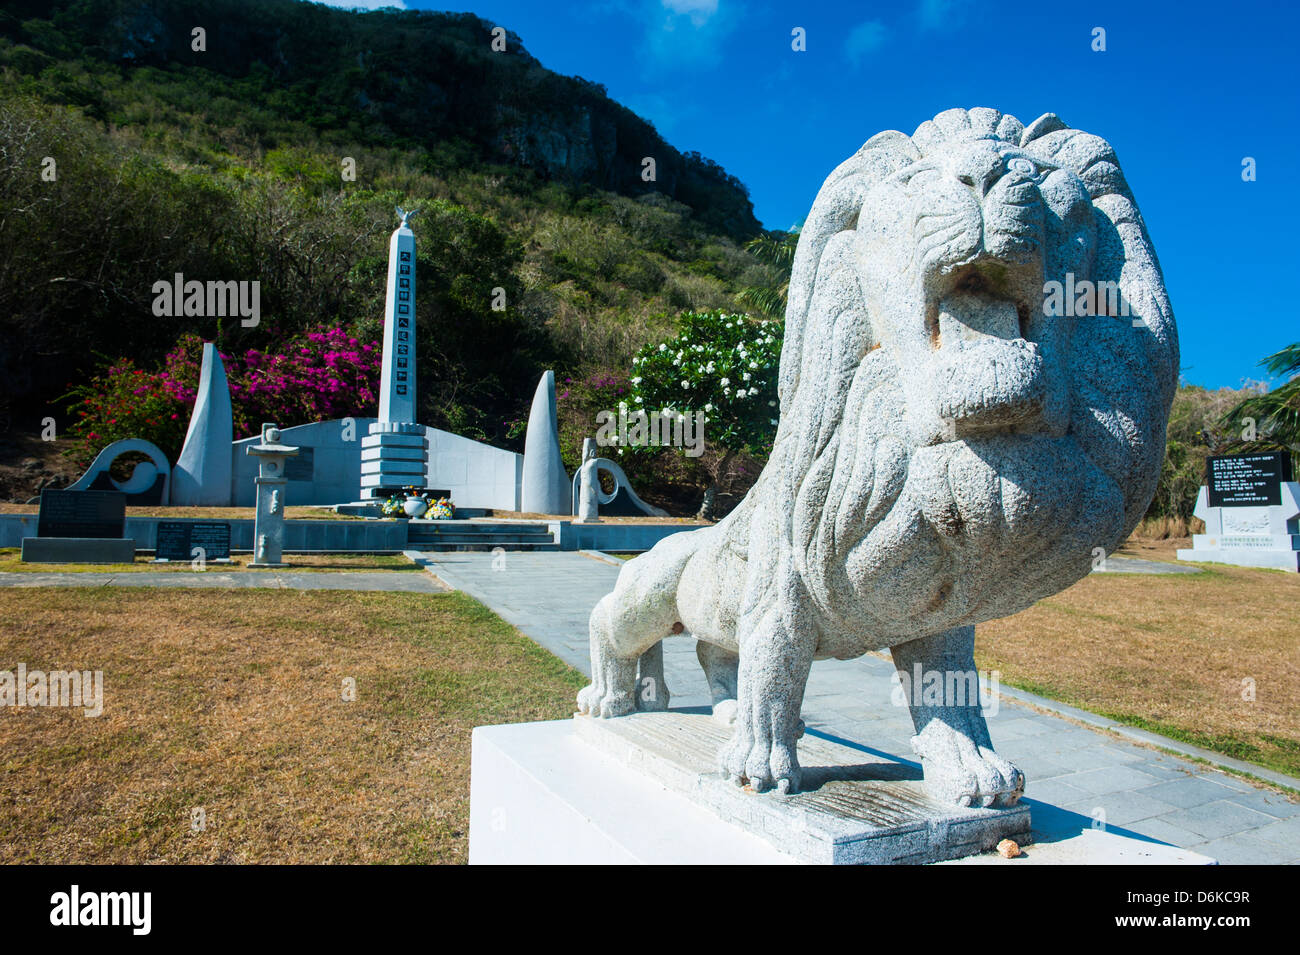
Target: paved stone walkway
<point>402,580</point>
<point>1076,774</point>
<point>1139,565</point>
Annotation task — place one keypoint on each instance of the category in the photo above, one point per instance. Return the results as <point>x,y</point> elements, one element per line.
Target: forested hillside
<point>276,154</point>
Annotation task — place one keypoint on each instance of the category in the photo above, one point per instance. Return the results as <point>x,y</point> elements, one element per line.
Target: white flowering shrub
<point>722,364</point>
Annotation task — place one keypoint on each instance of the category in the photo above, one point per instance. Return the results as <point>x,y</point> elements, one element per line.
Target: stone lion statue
<point>958,439</point>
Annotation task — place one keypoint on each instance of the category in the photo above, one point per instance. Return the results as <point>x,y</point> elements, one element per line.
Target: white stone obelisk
<point>394,454</point>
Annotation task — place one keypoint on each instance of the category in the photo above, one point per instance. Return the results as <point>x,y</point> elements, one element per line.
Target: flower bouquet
<point>413,502</point>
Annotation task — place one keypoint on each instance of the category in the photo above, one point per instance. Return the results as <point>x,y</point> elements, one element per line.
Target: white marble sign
<point>1251,535</point>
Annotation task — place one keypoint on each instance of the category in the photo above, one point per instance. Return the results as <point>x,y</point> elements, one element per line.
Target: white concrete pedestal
<point>541,795</point>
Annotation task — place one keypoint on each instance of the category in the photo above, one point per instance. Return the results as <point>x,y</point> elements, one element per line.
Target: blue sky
<point>1184,92</point>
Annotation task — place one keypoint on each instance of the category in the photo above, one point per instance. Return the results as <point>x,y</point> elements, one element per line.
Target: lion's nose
<point>979,169</point>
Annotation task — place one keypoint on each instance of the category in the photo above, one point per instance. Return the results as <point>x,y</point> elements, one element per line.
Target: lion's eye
<point>1022,167</point>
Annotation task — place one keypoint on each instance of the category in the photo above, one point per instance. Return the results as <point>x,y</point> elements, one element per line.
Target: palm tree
<point>1276,413</point>
<point>775,250</point>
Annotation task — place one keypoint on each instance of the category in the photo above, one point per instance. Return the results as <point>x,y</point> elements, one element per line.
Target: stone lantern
<point>268,529</point>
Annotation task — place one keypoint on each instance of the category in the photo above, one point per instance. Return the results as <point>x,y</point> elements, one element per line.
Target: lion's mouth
<point>988,367</point>
<point>981,300</point>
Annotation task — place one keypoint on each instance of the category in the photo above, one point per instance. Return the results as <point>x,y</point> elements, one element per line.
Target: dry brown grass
<point>11,562</point>
<point>1155,548</point>
<point>231,701</point>
<point>1169,654</point>
<point>1164,528</point>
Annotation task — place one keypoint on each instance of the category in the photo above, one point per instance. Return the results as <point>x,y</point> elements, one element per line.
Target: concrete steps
<point>479,536</point>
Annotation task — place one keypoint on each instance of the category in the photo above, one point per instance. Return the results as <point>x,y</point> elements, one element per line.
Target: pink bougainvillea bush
<point>321,375</point>
<point>123,401</point>
<point>578,400</point>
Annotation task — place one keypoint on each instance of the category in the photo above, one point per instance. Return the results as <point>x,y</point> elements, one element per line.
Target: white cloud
<point>362,4</point>
<point>685,32</point>
<point>941,14</point>
<point>864,39</point>
<point>698,10</point>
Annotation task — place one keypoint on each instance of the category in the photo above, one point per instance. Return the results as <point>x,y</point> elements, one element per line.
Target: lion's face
<point>961,242</point>
<point>972,452</point>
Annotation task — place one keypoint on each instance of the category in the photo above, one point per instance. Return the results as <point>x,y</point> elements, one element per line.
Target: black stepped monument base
<point>78,550</point>
<point>80,527</point>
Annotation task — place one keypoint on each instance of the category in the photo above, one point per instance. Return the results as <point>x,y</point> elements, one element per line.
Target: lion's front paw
<point>594,700</point>
<point>763,764</point>
<point>959,771</point>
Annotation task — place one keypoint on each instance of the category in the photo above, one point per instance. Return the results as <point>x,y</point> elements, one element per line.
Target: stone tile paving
<point>1138,565</point>
<point>1083,771</point>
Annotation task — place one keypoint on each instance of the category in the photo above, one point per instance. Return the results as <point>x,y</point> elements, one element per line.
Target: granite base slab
<point>855,807</point>
<point>78,550</point>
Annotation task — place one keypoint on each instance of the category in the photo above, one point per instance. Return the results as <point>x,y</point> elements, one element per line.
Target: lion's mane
<point>883,535</point>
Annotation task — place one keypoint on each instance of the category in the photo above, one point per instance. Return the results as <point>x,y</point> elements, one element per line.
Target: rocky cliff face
<point>408,77</point>
<point>575,146</point>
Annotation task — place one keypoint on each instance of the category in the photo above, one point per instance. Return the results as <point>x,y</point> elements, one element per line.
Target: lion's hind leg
<point>613,671</point>
<point>626,629</point>
<point>627,665</point>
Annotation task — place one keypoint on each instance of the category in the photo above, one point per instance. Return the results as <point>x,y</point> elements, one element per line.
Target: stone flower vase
<point>415,506</point>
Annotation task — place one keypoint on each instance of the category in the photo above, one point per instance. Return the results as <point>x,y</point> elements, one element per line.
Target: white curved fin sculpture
<point>201,477</point>
<point>546,483</point>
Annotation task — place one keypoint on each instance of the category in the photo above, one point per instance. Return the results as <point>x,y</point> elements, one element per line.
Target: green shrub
<point>721,364</point>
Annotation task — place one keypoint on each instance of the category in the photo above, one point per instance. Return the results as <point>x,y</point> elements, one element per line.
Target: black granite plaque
<point>176,540</point>
<point>213,537</point>
<point>1247,480</point>
<point>302,466</point>
<point>82,514</point>
<point>172,541</point>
